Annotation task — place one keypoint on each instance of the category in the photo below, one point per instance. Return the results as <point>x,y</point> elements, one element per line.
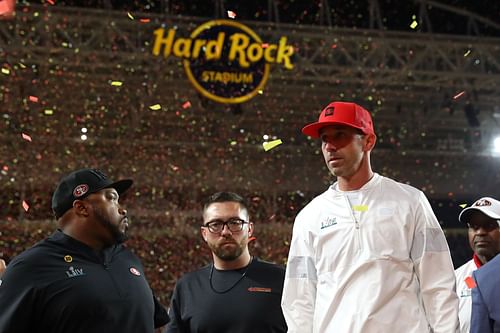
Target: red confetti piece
<point>5,168</point>
<point>26,137</point>
<point>231,14</point>
<point>33,99</point>
<point>251,239</point>
<point>265,45</point>
<point>186,105</point>
<point>51,2</point>
<point>469,281</point>
<point>146,20</point>
<point>460,94</point>
<point>26,206</point>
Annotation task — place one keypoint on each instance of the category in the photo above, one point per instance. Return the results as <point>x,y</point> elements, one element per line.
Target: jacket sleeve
<point>299,291</point>
<point>17,299</point>
<point>434,269</point>
<point>480,320</point>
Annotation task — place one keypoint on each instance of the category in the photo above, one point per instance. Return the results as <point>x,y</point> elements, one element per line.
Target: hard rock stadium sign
<point>225,60</point>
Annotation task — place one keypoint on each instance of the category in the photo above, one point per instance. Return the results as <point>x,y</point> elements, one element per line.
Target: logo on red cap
<point>135,271</point>
<point>80,190</point>
<point>329,111</point>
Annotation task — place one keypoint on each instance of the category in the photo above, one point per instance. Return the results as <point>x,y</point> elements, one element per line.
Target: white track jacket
<point>464,292</point>
<point>374,260</point>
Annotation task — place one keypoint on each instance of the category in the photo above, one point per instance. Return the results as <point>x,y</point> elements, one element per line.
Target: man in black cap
<point>81,278</point>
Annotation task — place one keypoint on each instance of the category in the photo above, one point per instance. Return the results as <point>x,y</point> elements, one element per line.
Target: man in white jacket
<point>367,255</point>
<point>484,239</point>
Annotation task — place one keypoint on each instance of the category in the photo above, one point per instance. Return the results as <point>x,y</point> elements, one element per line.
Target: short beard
<point>227,255</point>
<point>118,235</point>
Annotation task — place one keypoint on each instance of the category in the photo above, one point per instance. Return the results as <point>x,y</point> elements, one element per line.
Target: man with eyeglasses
<point>235,293</point>
<point>484,239</point>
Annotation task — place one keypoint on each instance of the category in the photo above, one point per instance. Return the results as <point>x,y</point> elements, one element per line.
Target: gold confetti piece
<point>463,205</point>
<point>33,99</point>
<point>233,143</point>
<point>231,14</point>
<point>155,107</point>
<point>26,206</point>
<point>130,16</point>
<point>5,71</point>
<point>459,95</point>
<point>116,83</point>
<point>467,53</point>
<point>413,24</point>
<point>261,92</point>
<point>26,137</point>
<point>48,112</point>
<point>23,66</point>
<point>360,208</point>
<point>186,105</point>
<point>270,145</point>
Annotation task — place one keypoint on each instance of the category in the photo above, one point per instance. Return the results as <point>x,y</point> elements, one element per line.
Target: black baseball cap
<point>80,184</point>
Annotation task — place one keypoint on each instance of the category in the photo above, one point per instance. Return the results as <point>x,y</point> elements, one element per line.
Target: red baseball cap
<point>342,113</point>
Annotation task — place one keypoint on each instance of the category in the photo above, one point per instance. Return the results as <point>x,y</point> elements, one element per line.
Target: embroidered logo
<point>330,221</point>
<point>135,271</point>
<point>260,289</point>
<point>80,190</point>
<point>329,111</point>
<point>74,272</point>
<point>482,203</point>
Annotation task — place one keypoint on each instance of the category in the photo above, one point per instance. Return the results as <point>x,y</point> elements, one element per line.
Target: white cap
<point>488,206</point>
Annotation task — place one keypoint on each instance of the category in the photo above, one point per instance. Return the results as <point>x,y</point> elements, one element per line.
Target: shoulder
<point>269,267</point>
<point>394,187</point>
<point>191,277</point>
<point>466,269</point>
<point>489,273</point>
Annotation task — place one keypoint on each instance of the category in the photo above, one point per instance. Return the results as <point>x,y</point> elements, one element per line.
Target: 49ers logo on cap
<point>329,111</point>
<point>135,271</point>
<point>80,190</point>
<point>483,202</point>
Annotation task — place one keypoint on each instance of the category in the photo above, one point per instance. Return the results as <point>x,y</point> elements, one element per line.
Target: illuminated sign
<point>225,60</point>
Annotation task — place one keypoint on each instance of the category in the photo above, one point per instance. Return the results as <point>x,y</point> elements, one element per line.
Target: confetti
<point>270,145</point>
<point>48,112</point>
<point>360,208</point>
<point>463,205</point>
<point>186,105</point>
<point>116,83</point>
<point>413,24</point>
<point>5,71</point>
<point>23,66</point>
<point>467,53</point>
<point>26,137</point>
<point>33,99</point>
<point>457,96</point>
<point>265,45</point>
<point>261,92</point>
<point>26,206</point>
<point>155,107</point>
<point>231,14</point>
<point>51,2</point>
<point>145,20</point>
<point>130,16</point>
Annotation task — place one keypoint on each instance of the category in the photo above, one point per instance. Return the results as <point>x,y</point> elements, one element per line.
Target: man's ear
<point>371,139</point>
<point>250,229</point>
<point>80,208</point>
<point>204,233</point>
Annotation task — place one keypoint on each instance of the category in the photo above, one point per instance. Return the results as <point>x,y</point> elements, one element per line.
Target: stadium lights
<point>496,145</point>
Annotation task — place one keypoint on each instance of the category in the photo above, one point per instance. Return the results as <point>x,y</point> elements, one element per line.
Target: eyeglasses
<point>233,224</point>
<point>487,226</point>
